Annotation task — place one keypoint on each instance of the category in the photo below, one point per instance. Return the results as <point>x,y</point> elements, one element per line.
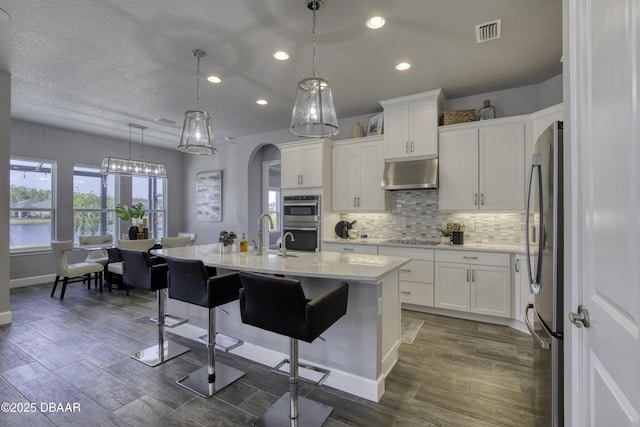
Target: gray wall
<point>67,148</point>
<point>5,143</point>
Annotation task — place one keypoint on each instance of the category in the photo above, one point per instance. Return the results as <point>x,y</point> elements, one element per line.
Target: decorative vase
<point>357,131</point>
<point>133,232</point>
<point>226,249</point>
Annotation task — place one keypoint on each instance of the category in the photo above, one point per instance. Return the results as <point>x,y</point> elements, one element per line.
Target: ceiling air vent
<point>488,31</point>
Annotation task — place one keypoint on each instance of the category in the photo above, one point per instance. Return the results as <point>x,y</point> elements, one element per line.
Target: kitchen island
<point>359,349</point>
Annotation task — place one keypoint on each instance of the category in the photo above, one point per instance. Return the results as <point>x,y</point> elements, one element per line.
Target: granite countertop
<point>489,247</point>
<point>312,264</point>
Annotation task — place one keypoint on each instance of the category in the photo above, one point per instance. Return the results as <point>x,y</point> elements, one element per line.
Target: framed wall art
<point>209,196</point>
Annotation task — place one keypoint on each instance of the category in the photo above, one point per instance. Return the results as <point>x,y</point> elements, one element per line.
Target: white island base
<point>359,349</point>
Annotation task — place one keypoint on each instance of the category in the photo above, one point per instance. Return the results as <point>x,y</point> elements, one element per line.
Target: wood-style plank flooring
<point>456,373</point>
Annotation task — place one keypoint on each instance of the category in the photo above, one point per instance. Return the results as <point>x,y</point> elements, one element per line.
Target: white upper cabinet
<point>482,165</point>
<point>411,125</point>
<point>357,167</point>
<point>304,163</point>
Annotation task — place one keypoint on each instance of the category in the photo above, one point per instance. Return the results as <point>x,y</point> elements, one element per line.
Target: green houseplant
<point>135,213</point>
<point>227,238</point>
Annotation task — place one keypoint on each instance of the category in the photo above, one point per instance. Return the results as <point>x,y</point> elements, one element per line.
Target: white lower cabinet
<point>476,282</point>
<point>523,295</point>
<point>350,248</point>
<point>416,277</point>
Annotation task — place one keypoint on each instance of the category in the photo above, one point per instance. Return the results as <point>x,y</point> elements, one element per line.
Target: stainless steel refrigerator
<point>544,244</point>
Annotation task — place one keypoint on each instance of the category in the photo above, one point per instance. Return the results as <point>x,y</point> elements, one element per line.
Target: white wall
<point>5,144</point>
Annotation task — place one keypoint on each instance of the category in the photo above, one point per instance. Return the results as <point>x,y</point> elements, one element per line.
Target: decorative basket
<point>458,116</point>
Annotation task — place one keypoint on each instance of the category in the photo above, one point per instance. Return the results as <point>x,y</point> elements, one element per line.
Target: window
<point>31,207</point>
<point>93,202</point>
<point>150,192</point>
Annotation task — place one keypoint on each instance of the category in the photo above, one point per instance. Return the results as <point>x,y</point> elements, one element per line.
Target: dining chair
<point>114,270</point>
<point>99,255</point>
<point>175,242</point>
<point>191,236</point>
<point>74,272</point>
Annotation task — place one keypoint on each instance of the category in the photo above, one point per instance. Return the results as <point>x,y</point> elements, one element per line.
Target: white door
<point>345,175</point>
<point>311,169</point>
<point>424,128</point>
<point>602,384</point>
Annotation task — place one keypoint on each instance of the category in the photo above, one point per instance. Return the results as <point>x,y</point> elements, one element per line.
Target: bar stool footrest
<point>198,381</point>
<point>223,342</point>
<point>325,373</point>
<point>153,356</point>
<point>310,413</point>
<point>170,321</point>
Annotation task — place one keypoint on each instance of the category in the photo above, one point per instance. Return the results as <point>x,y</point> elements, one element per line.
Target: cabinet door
<point>491,290</point>
<point>311,170</point>
<point>452,286</point>
<point>396,131</point>
<point>345,176</point>
<point>290,158</point>
<point>502,184</point>
<point>423,128</point>
<point>458,170</point>
<point>371,197</point>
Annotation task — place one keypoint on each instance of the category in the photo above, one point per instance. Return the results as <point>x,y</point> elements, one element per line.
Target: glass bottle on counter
<point>487,112</point>
<point>244,243</point>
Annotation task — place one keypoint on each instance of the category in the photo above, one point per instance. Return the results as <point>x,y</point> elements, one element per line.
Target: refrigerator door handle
<point>534,283</point>
<point>543,341</point>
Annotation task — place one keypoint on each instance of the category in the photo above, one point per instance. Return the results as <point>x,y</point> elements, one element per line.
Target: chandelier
<point>130,167</point>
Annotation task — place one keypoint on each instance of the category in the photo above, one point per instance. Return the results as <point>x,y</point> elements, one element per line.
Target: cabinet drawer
<point>350,249</point>
<point>417,271</point>
<point>474,257</point>
<point>426,254</point>
<point>416,293</point>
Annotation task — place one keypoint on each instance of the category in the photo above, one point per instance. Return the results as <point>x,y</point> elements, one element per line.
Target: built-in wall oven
<point>301,216</point>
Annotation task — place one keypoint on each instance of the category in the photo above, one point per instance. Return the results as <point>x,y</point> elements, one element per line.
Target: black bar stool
<point>140,272</point>
<point>189,281</point>
<point>279,305</point>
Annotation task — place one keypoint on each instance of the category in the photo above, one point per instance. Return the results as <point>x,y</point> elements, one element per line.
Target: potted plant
<point>446,234</point>
<point>227,238</point>
<point>135,213</point>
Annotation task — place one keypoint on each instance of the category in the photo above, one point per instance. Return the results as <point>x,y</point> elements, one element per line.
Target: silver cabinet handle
<point>354,202</point>
<point>473,276</point>
<point>517,266</point>
<point>348,249</point>
<point>302,179</point>
<point>467,274</point>
<point>358,201</point>
<point>475,200</point>
<point>405,292</point>
<point>482,199</point>
<point>405,270</point>
<point>412,146</point>
<point>469,257</point>
<point>406,147</point>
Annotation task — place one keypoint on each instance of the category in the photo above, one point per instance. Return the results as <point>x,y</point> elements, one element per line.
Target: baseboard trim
<point>6,318</point>
<point>28,281</point>
<point>359,386</point>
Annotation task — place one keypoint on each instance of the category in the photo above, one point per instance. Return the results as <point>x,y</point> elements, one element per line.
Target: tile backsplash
<point>415,215</point>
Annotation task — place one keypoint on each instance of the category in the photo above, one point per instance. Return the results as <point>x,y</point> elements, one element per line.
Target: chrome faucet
<point>284,243</point>
<point>260,224</point>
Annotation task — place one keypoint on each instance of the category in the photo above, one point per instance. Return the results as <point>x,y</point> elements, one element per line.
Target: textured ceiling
<point>96,65</point>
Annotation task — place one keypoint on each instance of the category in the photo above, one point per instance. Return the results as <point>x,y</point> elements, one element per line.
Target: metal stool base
<point>198,383</point>
<point>170,321</point>
<point>223,342</point>
<point>152,356</point>
<point>310,413</point>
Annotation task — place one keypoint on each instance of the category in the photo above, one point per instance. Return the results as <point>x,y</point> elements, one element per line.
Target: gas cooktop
<point>413,242</point>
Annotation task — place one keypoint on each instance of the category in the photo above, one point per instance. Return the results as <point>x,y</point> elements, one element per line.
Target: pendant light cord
<point>198,83</point>
<point>129,140</point>
<point>313,39</point>
<point>142,143</point>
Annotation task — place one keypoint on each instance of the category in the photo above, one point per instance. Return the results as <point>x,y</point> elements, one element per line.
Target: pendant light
<point>129,167</point>
<point>196,136</point>
<point>313,114</point>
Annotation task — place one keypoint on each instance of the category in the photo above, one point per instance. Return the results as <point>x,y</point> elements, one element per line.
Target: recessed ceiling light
<point>214,79</point>
<point>403,66</point>
<point>375,22</point>
<point>281,55</point>
<point>262,102</point>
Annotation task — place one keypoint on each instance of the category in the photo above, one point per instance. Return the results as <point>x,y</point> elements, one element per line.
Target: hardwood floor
<point>456,373</point>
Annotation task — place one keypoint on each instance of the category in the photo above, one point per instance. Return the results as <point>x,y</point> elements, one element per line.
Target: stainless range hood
<point>412,174</point>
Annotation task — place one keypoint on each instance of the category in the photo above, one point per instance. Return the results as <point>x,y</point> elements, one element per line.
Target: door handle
<point>473,276</point>
<point>581,318</point>
<point>475,200</point>
<point>543,341</point>
<point>406,147</point>
<point>354,202</point>
<point>482,199</point>
<point>348,249</point>
<point>412,146</point>
<point>405,292</point>
<point>517,266</point>
<point>358,201</point>
<point>467,274</point>
<point>301,179</point>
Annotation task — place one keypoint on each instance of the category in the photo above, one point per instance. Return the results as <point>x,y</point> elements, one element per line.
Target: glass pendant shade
<point>314,114</point>
<point>128,167</point>
<point>196,133</point>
